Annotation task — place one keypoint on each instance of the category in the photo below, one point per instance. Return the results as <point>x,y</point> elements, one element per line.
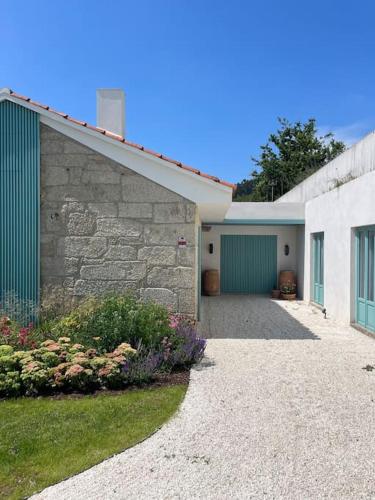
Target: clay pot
<point>285,277</point>
<point>288,296</point>
<point>211,282</point>
<point>275,294</point>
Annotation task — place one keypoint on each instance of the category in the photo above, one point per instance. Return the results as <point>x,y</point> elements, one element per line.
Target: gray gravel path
<point>290,415</point>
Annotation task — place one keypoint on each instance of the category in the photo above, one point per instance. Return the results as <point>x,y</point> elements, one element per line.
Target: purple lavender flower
<point>188,348</point>
<point>142,368</point>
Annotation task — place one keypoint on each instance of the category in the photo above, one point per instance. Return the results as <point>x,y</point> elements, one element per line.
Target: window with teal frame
<point>365,277</point>
<point>318,268</point>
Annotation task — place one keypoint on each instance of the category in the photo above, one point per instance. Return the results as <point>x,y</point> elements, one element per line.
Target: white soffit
<point>266,211</point>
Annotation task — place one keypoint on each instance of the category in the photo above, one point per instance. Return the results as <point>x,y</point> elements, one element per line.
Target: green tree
<point>291,154</point>
<point>244,190</point>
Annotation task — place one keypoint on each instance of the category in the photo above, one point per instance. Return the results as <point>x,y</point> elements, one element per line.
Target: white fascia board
<point>187,184</point>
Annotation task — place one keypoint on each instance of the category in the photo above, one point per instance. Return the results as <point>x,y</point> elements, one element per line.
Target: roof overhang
<point>263,214</point>
<point>212,198</point>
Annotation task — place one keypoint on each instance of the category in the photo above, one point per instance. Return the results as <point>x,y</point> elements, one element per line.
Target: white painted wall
<point>337,213</point>
<point>300,237</point>
<point>285,235</point>
<point>355,162</point>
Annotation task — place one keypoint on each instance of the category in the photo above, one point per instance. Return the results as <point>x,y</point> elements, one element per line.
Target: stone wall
<point>106,228</point>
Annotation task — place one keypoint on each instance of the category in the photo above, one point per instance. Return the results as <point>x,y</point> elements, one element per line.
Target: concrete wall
<point>285,235</point>
<point>337,213</point>
<point>104,227</point>
<point>355,162</point>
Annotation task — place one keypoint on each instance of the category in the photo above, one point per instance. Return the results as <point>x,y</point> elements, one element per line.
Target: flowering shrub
<point>35,376</point>
<point>13,334</point>
<point>141,369</point>
<point>105,323</point>
<point>181,349</point>
<point>10,383</point>
<point>191,347</point>
<point>185,347</point>
<point>6,350</point>
<point>102,343</point>
<point>61,366</point>
<point>79,378</point>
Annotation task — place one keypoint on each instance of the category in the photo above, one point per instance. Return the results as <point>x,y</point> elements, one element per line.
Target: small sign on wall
<point>182,242</point>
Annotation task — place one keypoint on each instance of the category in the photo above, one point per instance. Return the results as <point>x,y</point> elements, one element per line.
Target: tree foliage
<point>291,154</point>
<point>244,190</point>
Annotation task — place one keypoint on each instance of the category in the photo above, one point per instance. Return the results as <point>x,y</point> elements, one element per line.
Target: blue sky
<point>205,79</point>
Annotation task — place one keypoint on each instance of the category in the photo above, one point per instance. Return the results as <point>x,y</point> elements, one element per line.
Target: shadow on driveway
<point>249,317</point>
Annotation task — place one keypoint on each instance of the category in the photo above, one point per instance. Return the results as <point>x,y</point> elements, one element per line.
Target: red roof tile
<point>123,140</point>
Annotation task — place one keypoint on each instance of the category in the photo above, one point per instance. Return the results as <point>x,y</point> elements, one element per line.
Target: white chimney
<point>110,110</point>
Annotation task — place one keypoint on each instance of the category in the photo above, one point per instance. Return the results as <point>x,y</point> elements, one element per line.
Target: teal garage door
<point>365,277</point>
<point>248,264</point>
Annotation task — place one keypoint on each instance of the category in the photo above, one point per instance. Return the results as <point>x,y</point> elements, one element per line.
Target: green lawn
<point>43,441</point>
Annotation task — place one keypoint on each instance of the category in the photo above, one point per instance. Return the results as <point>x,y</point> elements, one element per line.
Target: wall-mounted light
<point>181,242</point>
<point>286,249</point>
<point>211,248</point>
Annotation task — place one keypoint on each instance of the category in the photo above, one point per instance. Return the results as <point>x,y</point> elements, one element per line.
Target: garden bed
<point>79,386</point>
<point>112,343</point>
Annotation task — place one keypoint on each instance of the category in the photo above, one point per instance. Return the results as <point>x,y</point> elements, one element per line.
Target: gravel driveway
<point>286,413</point>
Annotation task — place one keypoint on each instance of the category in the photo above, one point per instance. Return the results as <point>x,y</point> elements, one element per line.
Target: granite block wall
<point>106,228</point>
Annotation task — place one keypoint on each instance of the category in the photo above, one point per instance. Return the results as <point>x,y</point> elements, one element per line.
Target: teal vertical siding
<point>248,263</point>
<point>19,201</point>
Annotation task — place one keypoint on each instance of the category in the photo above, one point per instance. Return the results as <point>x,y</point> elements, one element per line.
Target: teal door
<point>248,264</point>
<point>318,268</point>
<point>365,278</point>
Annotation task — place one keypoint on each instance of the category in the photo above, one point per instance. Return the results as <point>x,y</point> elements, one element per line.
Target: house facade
<point>323,230</point>
<point>87,211</point>
<point>84,209</point>
<point>339,256</point>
